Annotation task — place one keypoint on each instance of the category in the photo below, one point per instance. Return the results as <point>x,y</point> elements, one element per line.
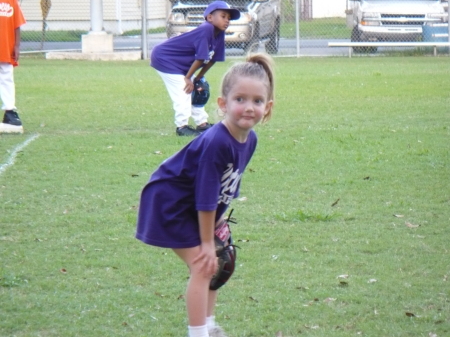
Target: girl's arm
<point>207,256</point>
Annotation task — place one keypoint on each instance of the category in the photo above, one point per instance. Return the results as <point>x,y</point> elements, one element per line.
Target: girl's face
<point>219,19</point>
<point>244,106</point>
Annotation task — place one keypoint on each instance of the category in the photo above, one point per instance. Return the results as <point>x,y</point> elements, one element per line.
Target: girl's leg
<point>212,299</point>
<point>197,292</point>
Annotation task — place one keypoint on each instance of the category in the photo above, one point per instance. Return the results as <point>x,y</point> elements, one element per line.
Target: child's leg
<point>7,87</point>
<point>199,115</point>
<point>212,299</point>
<point>181,101</point>
<point>197,292</point>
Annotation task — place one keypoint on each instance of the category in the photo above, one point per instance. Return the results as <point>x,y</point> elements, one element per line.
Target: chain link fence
<point>279,27</point>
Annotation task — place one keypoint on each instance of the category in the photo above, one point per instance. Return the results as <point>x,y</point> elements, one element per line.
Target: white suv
<point>394,20</point>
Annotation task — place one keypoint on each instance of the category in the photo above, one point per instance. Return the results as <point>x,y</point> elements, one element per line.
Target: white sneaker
<point>216,332</point>
<point>9,128</point>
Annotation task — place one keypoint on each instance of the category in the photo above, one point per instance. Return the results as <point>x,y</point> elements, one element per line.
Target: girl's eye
<point>239,99</point>
<point>258,101</point>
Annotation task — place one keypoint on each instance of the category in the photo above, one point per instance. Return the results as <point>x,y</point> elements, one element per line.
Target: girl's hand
<point>207,260</point>
<point>189,87</point>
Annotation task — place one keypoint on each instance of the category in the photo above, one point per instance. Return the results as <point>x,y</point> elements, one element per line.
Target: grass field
<point>344,221</point>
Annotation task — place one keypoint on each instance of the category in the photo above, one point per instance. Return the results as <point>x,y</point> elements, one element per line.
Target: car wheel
<point>252,46</point>
<point>356,37</point>
<point>274,40</point>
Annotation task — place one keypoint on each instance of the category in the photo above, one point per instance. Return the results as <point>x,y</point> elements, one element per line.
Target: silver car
<point>259,21</point>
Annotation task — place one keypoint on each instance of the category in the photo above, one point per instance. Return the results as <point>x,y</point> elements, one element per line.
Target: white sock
<point>210,322</point>
<point>198,331</point>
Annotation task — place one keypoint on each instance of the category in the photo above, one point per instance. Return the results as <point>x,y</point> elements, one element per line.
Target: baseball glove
<point>226,254</point>
<point>200,94</point>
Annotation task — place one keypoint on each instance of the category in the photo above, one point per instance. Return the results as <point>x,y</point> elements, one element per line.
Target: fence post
<point>297,26</point>
<point>144,44</point>
<point>96,16</point>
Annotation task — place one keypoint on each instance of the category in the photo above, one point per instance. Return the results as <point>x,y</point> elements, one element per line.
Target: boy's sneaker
<point>216,332</point>
<point>187,130</point>
<point>205,127</point>
<point>11,123</point>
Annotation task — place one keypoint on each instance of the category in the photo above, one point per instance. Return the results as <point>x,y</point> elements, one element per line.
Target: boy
<point>11,18</point>
<point>178,59</point>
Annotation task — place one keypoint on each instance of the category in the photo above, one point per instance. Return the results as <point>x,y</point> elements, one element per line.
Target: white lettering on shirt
<point>6,10</point>
<point>229,183</point>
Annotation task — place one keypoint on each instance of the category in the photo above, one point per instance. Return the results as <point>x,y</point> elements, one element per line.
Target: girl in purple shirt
<point>188,195</point>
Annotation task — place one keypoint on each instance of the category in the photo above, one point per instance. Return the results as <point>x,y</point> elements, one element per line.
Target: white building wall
<point>329,8</point>
<point>123,15</point>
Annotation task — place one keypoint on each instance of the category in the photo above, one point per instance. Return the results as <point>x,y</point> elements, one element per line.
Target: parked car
<point>259,22</point>
<point>394,20</point>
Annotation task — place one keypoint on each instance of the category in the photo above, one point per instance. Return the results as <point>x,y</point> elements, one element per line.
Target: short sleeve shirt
<point>203,176</point>
<point>176,55</point>
<point>11,17</point>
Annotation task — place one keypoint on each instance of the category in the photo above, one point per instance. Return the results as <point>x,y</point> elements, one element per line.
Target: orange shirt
<point>11,17</point>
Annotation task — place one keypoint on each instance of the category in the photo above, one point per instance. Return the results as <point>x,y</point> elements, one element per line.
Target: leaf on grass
<point>124,323</point>
<point>253,299</point>
<point>63,270</point>
<point>181,297</point>
<point>335,203</point>
<point>345,276</point>
<point>410,225</point>
<point>372,280</point>
<point>251,170</point>
<point>302,288</point>
<point>343,283</point>
<point>367,178</point>
<point>134,175</point>
<point>159,294</point>
<point>242,199</point>
<point>243,240</point>
<point>445,278</point>
<point>432,334</point>
<point>313,327</point>
<point>157,152</point>
<point>399,215</point>
<point>329,299</point>
<point>305,249</point>
<point>279,334</point>
<point>410,314</point>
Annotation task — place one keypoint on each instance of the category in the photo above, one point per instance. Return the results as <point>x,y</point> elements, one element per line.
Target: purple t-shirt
<point>203,176</point>
<point>176,55</point>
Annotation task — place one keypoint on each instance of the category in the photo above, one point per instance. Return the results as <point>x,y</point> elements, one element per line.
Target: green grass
<point>329,28</point>
<point>324,28</point>
<point>357,149</point>
<point>53,36</point>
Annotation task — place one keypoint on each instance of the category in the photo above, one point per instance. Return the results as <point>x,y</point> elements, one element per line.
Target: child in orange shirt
<point>11,18</point>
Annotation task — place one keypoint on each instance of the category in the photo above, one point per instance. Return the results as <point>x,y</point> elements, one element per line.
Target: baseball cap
<point>234,13</point>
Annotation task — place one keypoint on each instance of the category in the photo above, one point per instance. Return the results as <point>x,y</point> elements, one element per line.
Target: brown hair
<point>259,66</point>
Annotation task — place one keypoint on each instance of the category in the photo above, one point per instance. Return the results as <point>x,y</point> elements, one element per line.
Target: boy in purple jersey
<point>178,59</point>
<point>188,195</point>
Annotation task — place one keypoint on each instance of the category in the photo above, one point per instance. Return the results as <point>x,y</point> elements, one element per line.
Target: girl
<point>187,196</point>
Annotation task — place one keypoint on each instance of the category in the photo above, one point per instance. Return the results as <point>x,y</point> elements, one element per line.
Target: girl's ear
<point>209,17</point>
<point>222,104</point>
